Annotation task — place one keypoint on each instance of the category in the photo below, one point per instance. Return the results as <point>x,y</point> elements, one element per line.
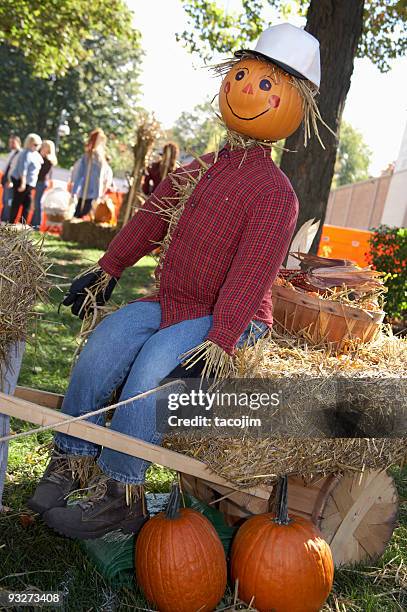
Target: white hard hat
<point>293,49</point>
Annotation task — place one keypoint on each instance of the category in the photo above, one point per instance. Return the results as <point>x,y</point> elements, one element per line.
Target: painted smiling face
<point>258,100</point>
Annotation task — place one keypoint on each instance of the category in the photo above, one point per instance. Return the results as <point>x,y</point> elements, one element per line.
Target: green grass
<point>49,353</point>
<point>32,555</point>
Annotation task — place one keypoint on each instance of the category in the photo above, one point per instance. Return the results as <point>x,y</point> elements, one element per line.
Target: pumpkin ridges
<point>248,569</point>
<point>217,544</point>
<point>202,551</point>
<point>315,556</point>
<point>211,532</point>
<point>145,538</point>
<point>256,572</point>
<point>169,558</point>
<point>306,532</point>
<point>239,547</point>
<point>275,559</point>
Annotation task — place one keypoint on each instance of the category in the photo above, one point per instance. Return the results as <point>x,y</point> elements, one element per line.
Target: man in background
<point>14,145</point>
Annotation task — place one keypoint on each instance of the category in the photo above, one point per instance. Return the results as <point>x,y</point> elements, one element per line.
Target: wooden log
<point>105,437</point>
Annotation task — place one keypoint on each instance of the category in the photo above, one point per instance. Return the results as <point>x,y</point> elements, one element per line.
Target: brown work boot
<point>111,506</point>
<point>64,474</point>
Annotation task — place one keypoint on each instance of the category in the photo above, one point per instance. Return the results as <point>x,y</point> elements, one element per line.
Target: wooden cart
<point>356,511</point>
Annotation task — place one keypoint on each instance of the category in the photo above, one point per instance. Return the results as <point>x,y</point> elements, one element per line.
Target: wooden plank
<point>302,497</point>
<point>376,514</point>
<point>252,500</point>
<point>108,438</point>
<point>342,497</point>
<point>37,396</point>
<point>373,540</point>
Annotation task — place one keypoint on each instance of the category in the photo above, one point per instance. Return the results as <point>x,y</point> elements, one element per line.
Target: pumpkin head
<point>258,99</point>
<point>282,563</point>
<point>180,561</point>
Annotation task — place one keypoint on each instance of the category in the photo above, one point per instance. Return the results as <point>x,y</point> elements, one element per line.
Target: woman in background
<point>24,176</point>
<point>93,176</point>
<point>158,170</point>
<point>14,145</point>
<point>47,152</point>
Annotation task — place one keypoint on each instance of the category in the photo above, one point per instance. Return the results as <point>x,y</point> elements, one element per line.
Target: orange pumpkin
<point>180,561</point>
<point>105,212</point>
<point>282,562</point>
<point>258,100</point>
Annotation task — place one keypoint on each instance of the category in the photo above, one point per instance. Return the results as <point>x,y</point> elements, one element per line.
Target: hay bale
<point>372,378</point>
<point>23,282</point>
<point>89,234</point>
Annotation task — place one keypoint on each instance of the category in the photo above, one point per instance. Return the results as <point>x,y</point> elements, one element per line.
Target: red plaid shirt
<point>227,248</point>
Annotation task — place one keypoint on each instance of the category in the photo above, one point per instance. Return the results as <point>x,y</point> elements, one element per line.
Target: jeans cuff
<point>139,473</point>
<point>70,449</point>
<point>137,479</point>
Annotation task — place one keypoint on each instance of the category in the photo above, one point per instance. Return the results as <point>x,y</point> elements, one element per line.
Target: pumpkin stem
<point>282,502</point>
<point>173,502</point>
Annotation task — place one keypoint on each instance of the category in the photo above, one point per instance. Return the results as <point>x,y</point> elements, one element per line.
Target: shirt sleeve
<point>26,163</point>
<point>263,246</point>
<point>141,234</point>
<point>78,174</point>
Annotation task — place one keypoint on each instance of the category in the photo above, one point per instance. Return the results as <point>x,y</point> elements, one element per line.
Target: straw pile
<point>23,282</point>
<point>374,377</point>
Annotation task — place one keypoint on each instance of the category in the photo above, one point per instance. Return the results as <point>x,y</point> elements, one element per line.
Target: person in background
<point>24,176</point>
<point>158,170</point>
<point>92,175</point>
<point>14,145</point>
<point>47,152</point>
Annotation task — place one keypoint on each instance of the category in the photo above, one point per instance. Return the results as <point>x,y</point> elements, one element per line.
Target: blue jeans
<point>37,216</point>
<point>129,343</point>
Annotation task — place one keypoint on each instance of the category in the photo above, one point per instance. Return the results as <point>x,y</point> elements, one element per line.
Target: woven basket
<point>322,321</point>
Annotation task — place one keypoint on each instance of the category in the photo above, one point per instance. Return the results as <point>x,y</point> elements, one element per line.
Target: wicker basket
<point>322,321</point>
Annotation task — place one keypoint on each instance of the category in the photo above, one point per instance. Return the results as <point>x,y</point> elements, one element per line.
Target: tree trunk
<point>337,24</point>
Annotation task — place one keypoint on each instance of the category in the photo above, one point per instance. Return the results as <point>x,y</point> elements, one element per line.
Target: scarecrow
<point>224,224</point>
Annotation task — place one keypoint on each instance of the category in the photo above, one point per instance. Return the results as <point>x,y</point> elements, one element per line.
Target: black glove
<point>76,295</point>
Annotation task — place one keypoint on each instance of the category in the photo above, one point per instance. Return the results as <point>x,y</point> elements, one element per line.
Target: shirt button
<point>208,176</point>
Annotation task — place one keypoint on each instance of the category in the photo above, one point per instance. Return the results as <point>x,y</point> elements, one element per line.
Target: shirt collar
<point>239,156</point>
